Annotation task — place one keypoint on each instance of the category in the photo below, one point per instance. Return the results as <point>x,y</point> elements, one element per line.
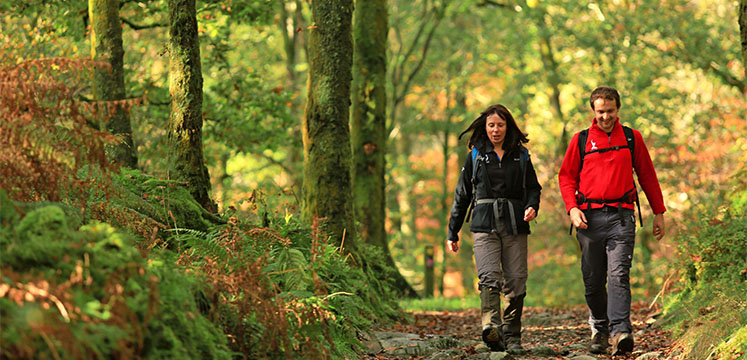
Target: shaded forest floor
<point>564,331</point>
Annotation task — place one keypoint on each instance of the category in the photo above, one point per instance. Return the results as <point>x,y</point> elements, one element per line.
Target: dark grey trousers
<point>501,260</point>
<point>606,256</point>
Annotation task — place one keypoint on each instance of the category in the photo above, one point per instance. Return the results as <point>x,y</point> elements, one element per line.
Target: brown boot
<point>622,343</point>
<point>599,343</point>
<point>490,307</point>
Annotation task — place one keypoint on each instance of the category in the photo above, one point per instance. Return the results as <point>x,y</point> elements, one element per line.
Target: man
<point>599,194</point>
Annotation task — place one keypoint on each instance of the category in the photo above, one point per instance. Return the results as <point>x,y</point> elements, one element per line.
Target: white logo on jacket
<point>593,145</point>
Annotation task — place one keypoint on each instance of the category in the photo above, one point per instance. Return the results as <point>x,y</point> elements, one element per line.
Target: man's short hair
<point>604,92</point>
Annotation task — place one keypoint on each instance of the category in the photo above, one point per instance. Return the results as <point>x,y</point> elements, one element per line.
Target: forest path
<point>547,334</point>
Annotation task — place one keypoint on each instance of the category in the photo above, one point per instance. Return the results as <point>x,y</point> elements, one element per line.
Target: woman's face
<point>495,127</point>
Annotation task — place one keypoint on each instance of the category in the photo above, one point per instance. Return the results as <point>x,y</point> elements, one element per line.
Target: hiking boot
<point>493,339</point>
<point>513,345</point>
<point>622,343</point>
<point>599,343</point>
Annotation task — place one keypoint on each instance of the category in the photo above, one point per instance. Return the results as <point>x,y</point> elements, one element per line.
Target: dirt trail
<point>563,330</point>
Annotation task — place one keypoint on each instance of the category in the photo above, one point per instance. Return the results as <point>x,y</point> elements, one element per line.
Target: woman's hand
<point>453,246</point>
<point>530,214</point>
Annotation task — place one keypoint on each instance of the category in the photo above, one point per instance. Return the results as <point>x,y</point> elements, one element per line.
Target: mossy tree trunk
<point>743,30</point>
<point>108,84</point>
<point>185,119</point>
<point>368,127</point>
<point>326,133</point>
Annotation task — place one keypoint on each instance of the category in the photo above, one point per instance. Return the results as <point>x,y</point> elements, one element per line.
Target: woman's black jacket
<point>482,214</point>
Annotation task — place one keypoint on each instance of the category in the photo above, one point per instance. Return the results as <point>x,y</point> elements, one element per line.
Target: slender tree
<point>743,30</point>
<point>368,127</point>
<point>108,84</point>
<point>326,133</point>
<point>185,120</point>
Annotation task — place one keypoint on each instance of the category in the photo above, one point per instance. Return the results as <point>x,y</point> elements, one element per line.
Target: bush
<point>88,292</point>
<point>713,257</point>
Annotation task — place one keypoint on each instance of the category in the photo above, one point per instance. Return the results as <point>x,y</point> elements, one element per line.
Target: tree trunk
<point>743,30</point>
<point>368,128</point>
<point>292,39</point>
<point>326,133</point>
<point>185,120</point>
<point>108,84</point>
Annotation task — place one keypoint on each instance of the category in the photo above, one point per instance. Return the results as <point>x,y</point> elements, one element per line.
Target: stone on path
<point>650,356</point>
<point>544,351</point>
<point>399,344</point>
<point>582,357</point>
<point>498,355</point>
<point>448,354</point>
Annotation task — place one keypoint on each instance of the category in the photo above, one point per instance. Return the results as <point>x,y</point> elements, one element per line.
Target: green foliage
<point>713,260</point>
<point>88,292</point>
<point>323,302</point>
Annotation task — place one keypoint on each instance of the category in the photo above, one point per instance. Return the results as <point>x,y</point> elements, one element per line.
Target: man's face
<point>605,111</point>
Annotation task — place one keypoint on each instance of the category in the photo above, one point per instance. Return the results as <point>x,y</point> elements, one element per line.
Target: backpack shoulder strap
<point>582,136</point>
<point>630,138</point>
<point>475,159</point>
<point>523,160</point>
<point>475,155</point>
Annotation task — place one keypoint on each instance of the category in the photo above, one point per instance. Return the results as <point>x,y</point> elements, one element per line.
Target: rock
<point>443,341</point>
<point>372,346</point>
<point>383,335</point>
<point>577,347</point>
<point>481,348</point>
<point>448,354</point>
<point>544,351</point>
<point>582,357</point>
<point>481,356</point>
<point>639,333</point>
<point>499,355</point>
<point>407,346</point>
<point>650,356</point>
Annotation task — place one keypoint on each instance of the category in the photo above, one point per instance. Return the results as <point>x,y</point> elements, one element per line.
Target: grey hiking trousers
<point>606,256</point>
<point>501,260</point>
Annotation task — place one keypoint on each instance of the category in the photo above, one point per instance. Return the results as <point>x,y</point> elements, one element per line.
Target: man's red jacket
<point>608,175</point>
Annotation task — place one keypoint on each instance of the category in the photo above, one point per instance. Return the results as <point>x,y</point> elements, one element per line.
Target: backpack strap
<point>523,159</point>
<point>630,138</point>
<point>582,136</point>
<point>475,158</point>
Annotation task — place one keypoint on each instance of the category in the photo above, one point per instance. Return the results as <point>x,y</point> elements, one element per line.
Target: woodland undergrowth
<point>98,262</point>
<point>707,307</point>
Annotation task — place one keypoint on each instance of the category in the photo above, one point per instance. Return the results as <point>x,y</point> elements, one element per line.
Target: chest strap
<point>498,205</point>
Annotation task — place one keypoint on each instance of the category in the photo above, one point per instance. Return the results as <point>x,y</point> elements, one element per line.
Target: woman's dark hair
<point>514,135</point>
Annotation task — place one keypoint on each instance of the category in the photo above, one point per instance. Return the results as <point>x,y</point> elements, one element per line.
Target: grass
<point>441,304</point>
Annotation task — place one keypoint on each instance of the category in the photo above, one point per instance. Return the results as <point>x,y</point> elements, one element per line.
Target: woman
<point>498,187</point>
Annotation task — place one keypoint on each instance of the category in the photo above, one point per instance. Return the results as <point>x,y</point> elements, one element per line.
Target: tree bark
<point>326,132</point>
<point>743,31</point>
<point>108,84</point>
<point>185,86</point>
<point>368,128</point>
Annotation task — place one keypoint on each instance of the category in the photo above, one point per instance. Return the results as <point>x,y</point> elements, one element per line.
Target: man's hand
<point>453,246</point>
<point>530,214</point>
<point>578,218</point>
<point>659,230</point>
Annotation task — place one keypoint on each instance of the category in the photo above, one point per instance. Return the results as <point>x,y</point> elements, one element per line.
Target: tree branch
<point>141,27</point>
<point>494,3</point>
